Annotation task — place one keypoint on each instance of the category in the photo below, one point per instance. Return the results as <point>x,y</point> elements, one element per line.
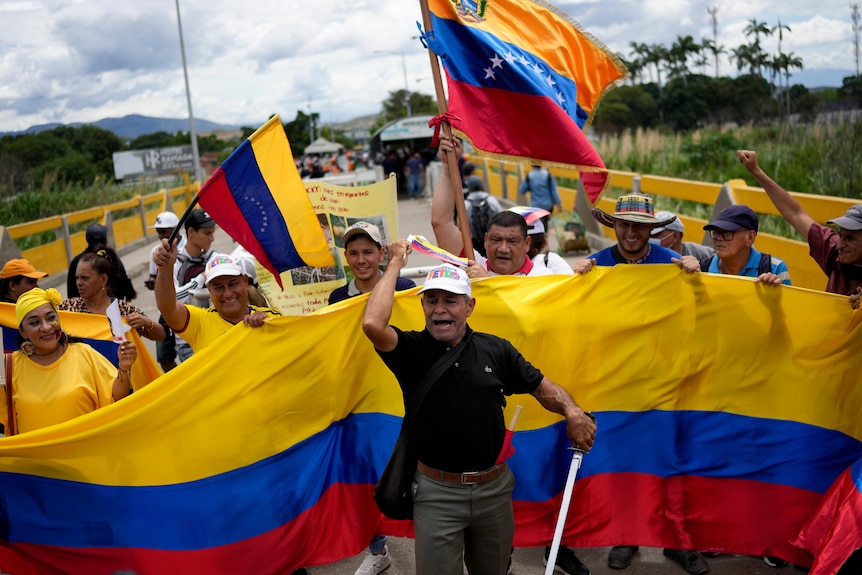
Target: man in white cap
<point>228,289</point>
<point>670,236</point>
<point>837,252</point>
<point>165,349</point>
<point>464,513</point>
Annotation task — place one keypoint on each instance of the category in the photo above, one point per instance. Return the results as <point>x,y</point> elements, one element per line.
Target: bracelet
<point>128,372</point>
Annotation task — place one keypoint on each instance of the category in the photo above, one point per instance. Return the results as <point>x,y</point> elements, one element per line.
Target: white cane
<point>577,457</point>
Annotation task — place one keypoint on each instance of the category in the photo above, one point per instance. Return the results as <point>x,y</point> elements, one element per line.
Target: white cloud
<point>82,60</point>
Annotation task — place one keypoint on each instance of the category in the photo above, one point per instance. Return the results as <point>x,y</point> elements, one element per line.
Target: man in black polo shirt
<point>462,501</point>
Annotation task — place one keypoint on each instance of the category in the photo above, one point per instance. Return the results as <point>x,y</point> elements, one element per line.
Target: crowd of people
<point>463,490</point>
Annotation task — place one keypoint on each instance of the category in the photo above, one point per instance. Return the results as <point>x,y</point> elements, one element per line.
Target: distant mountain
<point>136,125</point>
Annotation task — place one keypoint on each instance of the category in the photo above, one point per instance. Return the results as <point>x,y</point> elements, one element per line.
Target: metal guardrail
<point>502,180</point>
<point>124,233</point>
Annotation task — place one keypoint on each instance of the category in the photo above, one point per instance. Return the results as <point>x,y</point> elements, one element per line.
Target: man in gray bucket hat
<point>837,252</point>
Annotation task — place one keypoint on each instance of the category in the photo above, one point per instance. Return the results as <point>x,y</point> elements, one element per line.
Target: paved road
<point>414,218</point>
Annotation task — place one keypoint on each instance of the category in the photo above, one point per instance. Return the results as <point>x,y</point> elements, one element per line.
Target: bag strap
<point>11,427</point>
<point>765,264</point>
<point>431,377</point>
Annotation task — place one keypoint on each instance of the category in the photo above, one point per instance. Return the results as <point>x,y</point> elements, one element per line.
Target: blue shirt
<point>611,256</point>
<point>543,189</point>
<point>751,269</point>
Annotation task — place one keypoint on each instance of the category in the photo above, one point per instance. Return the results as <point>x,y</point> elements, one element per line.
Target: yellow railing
<point>126,220</point>
<point>503,178</point>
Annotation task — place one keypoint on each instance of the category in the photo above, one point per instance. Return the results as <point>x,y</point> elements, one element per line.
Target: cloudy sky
<point>84,60</point>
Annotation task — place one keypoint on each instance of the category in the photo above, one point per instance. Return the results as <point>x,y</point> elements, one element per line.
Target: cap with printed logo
<point>221,265</point>
<point>448,278</point>
<point>851,220</point>
<point>199,219</point>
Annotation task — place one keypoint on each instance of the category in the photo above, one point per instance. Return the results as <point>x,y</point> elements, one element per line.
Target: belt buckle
<point>471,478</point>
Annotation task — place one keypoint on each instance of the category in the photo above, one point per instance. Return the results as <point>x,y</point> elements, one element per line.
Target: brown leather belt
<point>466,478</point>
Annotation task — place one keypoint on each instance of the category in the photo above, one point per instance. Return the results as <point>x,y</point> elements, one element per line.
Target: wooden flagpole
<point>454,171</point>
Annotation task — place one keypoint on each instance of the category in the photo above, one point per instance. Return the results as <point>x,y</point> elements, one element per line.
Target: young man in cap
<point>733,233</point>
<point>633,220</point>
<point>191,260</point>
<point>506,240</point>
<point>838,253</point>
<point>166,349</point>
<point>670,237</point>
<point>463,508</point>
<point>18,276</point>
<point>364,252</point>
<point>228,289</point>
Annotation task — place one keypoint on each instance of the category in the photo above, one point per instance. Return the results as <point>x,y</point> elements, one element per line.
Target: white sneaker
<point>374,564</point>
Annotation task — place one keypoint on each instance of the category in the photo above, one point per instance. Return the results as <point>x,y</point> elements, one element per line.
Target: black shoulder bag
<point>394,490</point>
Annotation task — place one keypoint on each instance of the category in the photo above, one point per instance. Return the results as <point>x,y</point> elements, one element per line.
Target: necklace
<point>643,258</point>
<point>61,347</point>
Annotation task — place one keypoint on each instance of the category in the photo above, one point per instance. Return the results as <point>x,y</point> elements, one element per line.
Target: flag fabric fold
<point>258,198</point>
<point>422,245</point>
<point>724,415</point>
<point>524,81</point>
<point>834,530</point>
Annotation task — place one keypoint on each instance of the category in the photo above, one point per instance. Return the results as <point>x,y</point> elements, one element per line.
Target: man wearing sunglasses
<point>733,233</point>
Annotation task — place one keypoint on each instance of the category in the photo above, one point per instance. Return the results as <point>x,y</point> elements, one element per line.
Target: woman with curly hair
<point>96,274</point>
<point>56,378</point>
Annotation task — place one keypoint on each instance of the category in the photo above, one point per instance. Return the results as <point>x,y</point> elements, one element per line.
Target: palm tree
<point>757,29</point>
<point>742,56</point>
<point>679,53</point>
<point>640,52</point>
<point>708,44</point>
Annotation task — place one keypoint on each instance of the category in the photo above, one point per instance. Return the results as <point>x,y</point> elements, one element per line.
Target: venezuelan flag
<point>95,330</point>
<point>258,198</point>
<point>524,81</point>
<point>723,415</point>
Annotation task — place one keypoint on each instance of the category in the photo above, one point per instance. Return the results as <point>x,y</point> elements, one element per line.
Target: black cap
<point>199,219</point>
<point>96,234</point>
<point>734,218</point>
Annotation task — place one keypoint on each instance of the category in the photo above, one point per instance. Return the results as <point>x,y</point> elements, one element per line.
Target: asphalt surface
<point>415,218</point>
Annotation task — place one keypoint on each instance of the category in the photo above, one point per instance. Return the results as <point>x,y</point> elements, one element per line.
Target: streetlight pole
<point>195,154</point>
<point>403,69</point>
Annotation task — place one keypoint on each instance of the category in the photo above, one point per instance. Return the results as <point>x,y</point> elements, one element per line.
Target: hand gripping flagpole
<point>577,458</point>
<point>454,170</point>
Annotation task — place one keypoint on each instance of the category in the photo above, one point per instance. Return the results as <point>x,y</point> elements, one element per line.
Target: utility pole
<point>310,123</point>
<point>403,69</point>
<point>196,157</point>
<point>855,15</point>
<point>712,12</point>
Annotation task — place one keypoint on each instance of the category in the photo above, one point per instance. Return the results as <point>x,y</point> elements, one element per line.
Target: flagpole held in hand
<point>577,458</point>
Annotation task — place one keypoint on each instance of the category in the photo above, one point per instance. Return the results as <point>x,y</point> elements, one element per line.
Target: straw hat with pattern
<point>632,208</point>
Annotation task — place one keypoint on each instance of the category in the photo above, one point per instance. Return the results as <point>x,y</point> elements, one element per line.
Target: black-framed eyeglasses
<point>723,234</point>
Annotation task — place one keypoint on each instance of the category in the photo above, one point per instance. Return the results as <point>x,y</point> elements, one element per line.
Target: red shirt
<point>823,247</point>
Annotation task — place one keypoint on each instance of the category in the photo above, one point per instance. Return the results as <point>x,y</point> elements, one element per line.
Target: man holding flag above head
<point>462,509</point>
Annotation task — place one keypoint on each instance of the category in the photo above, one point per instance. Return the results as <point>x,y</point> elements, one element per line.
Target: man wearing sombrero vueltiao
<point>633,220</point>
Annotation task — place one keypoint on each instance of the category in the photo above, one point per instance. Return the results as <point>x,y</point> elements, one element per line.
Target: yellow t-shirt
<point>206,325</point>
<point>81,381</point>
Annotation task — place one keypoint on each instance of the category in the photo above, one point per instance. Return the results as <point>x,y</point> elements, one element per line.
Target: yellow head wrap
<point>30,300</point>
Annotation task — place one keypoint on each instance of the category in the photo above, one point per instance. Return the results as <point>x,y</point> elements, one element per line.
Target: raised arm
<point>176,315</point>
<point>580,428</point>
<point>443,202</point>
<point>378,309</point>
<point>787,206</point>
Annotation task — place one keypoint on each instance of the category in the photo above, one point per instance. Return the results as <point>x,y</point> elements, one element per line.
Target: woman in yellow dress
<point>54,377</point>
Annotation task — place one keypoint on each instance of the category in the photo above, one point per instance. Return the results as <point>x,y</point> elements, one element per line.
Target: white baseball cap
<point>448,278</point>
<point>366,229</point>
<point>165,220</point>
<point>221,265</point>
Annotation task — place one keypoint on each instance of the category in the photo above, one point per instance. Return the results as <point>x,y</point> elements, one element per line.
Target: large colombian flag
<point>95,330</point>
<point>524,81</point>
<point>258,198</point>
<point>724,414</point>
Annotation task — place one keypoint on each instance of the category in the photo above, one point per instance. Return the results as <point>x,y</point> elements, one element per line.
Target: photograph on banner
<point>337,207</point>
